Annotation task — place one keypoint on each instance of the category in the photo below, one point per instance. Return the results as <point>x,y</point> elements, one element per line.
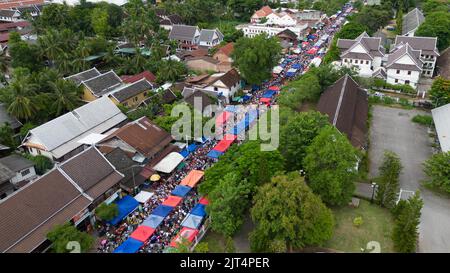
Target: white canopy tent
<point>143,196</point>
<point>292,70</point>
<point>277,69</point>
<point>169,163</point>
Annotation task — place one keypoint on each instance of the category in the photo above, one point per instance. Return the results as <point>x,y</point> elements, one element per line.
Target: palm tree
<point>65,95</point>
<point>81,53</point>
<point>3,62</point>
<point>22,104</point>
<point>65,64</point>
<point>170,71</point>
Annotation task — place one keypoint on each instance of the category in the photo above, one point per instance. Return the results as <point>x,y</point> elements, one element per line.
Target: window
<point>367,62</point>
<point>351,60</point>
<point>396,80</point>
<point>407,82</point>
<point>216,89</point>
<point>25,172</point>
<point>409,72</point>
<point>125,104</point>
<point>398,71</point>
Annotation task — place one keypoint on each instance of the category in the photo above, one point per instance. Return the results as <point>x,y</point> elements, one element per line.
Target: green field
<point>377,226</point>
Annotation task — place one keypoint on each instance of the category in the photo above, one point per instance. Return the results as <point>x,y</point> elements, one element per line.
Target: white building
<point>364,53</point>
<point>404,66</point>
<point>15,171</point>
<point>428,51</point>
<point>254,30</point>
<point>210,38</point>
<point>9,15</point>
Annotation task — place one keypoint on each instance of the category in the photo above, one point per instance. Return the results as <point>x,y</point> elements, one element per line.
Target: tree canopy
<point>440,92</point>
<point>388,180</point>
<point>288,215</point>
<point>61,235</point>
<point>437,168</point>
<point>330,165</point>
<point>437,24</point>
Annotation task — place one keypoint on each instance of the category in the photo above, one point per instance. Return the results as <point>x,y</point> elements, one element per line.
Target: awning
<point>143,196</point>
<point>142,233</point>
<point>153,221</point>
<point>297,66</point>
<point>225,143</point>
<point>312,51</point>
<point>222,118</point>
<point>162,210</point>
<point>172,201</point>
<point>187,233</point>
<point>192,178</point>
<point>277,69</point>
<point>231,109</point>
<point>269,94</point>
<point>181,190</point>
<point>126,205</point>
<point>192,221</point>
<point>203,201</point>
<point>265,100</point>
<point>199,210</point>
<point>274,88</point>
<point>169,163</point>
<point>214,154</point>
<point>129,246</point>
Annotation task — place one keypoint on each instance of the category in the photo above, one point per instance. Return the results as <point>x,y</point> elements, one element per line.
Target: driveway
<point>392,129</point>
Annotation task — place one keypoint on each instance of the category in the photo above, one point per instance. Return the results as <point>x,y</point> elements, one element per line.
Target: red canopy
<point>305,43</point>
<point>187,233</point>
<point>265,100</point>
<point>172,201</point>
<point>203,201</point>
<point>142,233</point>
<point>274,88</point>
<point>312,51</point>
<point>192,178</point>
<point>225,143</point>
<point>223,118</point>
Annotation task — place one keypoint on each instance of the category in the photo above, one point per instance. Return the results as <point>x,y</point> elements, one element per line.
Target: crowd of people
<point>198,160</point>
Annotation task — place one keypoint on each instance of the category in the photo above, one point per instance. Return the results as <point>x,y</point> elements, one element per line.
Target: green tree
<point>288,215</point>
<point>255,57</point>
<point>429,6</point>
<point>352,30</point>
<point>437,24</point>
<point>23,54</point>
<point>405,233</point>
<point>330,165</point>
<point>107,212</point>
<point>65,96</point>
<point>21,102</point>
<point>440,92</point>
<point>228,202</point>
<point>373,17</point>
<point>388,180</point>
<point>437,168</point>
<point>99,21</point>
<point>399,22</point>
<point>297,135</point>
<point>170,71</point>
<point>7,136</point>
<point>41,163</point>
<point>61,235</point>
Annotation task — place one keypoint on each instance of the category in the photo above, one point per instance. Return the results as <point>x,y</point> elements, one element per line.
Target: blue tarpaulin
<point>162,210</point>
<point>297,66</point>
<point>199,210</point>
<point>214,154</point>
<point>268,94</point>
<point>231,108</point>
<point>184,153</point>
<point>290,74</point>
<point>246,98</point>
<point>125,206</point>
<point>181,190</point>
<point>153,221</point>
<point>255,87</point>
<point>129,246</point>
<point>192,221</point>
<point>192,147</point>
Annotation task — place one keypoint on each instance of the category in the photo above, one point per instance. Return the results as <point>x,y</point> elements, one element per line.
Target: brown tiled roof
<point>230,78</point>
<point>29,214</point>
<point>143,135</point>
<point>347,107</point>
<point>443,63</point>
<point>226,49</point>
<point>287,33</point>
<point>205,100</point>
<point>149,76</point>
<point>263,12</point>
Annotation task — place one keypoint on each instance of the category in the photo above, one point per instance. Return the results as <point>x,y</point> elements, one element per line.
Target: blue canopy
<point>231,109</point>
<point>129,246</point>
<point>153,221</point>
<point>290,74</point>
<point>192,147</point>
<point>184,153</point>
<point>192,221</point>
<point>162,210</point>
<point>199,210</point>
<point>268,94</point>
<point>246,97</point>
<point>126,205</point>
<point>181,190</point>
<point>297,66</point>
<point>214,154</point>
<point>255,87</point>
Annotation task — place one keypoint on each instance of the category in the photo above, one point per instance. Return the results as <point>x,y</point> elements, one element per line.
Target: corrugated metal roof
<point>441,117</point>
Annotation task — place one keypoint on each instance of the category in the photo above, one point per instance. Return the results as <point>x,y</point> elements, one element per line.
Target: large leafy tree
<point>255,57</point>
<point>297,135</point>
<point>229,200</point>
<point>107,212</point>
<point>437,169</point>
<point>100,21</point>
<point>388,180</point>
<point>307,88</point>
<point>440,92</point>
<point>330,165</point>
<point>23,54</point>
<point>170,71</point>
<point>61,235</point>
<point>351,30</point>
<point>373,17</point>
<point>7,136</point>
<point>437,24</point>
<point>288,215</point>
<point>405,233</point>
<point>65,96</point>
<point>139,23</point>
<point>19,96</point>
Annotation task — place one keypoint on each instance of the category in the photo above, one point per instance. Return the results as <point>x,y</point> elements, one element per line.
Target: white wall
<point>19,177</point>
<point>363,68</point>
<point>402,77</point>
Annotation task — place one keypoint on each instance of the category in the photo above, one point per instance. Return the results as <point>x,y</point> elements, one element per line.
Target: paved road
<point>391,129</point>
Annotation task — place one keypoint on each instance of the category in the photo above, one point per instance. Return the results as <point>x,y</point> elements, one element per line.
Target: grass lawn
<point>216,242</point>
<point>377,226</point>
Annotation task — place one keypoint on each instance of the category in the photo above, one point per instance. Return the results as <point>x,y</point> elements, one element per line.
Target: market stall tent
<point>269,94</point>
<point>277,69</point>
<point>275,88</point>
<point>169,163</point>
<point>192,221</point>
<point>143,196</point>
<point>181,190</point>
<point>172,201</point>
<point>214,154</point>
<point>126,205</point>
<point>203,201</point>
<point>187,233</point>
<point>162,210</point>
<point>222,118</point>
<point>142,233</point>
<point>153,221</point>
<point>129,246</point>
<point>199,210</point>
<point>192,178</point>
